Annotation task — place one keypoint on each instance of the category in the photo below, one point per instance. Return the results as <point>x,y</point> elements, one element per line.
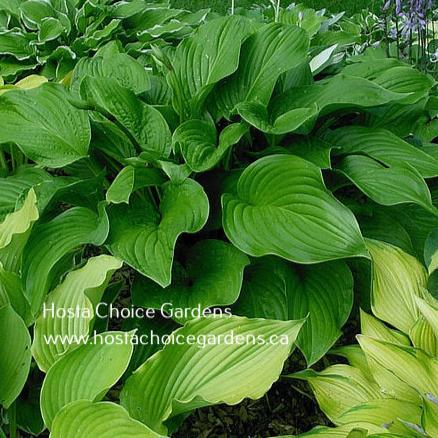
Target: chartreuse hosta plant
<point>224,172</point>
<point>391,380</point>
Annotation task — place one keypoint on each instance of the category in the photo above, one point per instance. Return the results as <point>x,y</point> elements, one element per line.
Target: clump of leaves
<point>235,171</point>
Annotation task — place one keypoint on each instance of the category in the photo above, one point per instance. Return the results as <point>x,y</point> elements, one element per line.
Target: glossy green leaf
<point>282,207</point>
<point>130,179</point>
<point>85,373</point>
<point>397,184</point>
<point>302,105</point>
<point>275,289</point>
<point>203,59</point>
<point>274,49</point>
<point>210,275</point>
<point>70,309</point>
<point>225,372</point>
<point>103,420</point>
<point>15,355</point>
<point>200,144</point>
<point>144,236</point>
<point>384,146</point>
<point>143,123</point>
<point>123,68</point>
<point>53,240</point>
<point>46,127</point>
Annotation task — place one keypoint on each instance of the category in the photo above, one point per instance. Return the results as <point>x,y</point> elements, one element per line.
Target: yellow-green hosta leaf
<point>397,278</point>
<point>355,357</point>
<point>45,126</point>
<point>428,307</point>
<point>74,300</point>
<point>430,415</point>
<point>184,376</point>
<point>200,144</point>
<point>210,276</point>
<point>384,412</point>
<point>423,337</point>
<point>371,326</point>
<point>53,240</point>
<point>383,146</point>
<point>15,355</point>
<point>85,373</point>
<point>282,207</point>
<point>397,184</point>
<point>103,420</point>
<point>14,231</point>
<point>145,237</point>
<point>346,431</point>
<point>412,366</point>
<point>276,289</point>
<point>27,83</point>
<point>339,388</point>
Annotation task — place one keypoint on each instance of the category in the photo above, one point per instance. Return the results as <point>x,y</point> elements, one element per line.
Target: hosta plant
<point>390,382</point>
<point>225,171</point>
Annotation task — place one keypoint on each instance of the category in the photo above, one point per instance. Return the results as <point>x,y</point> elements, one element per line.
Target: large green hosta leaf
<point>282,207</point>
<point>85,373</point>
<point>203,59</point>
<point>200,144</point>
<point>53,240</point>
<point>397,279</point>
<point>275,289</point>
<point>211,275</point>
<point>393,185</point>
<point>15,355</point>
<point>145,125</point>
<point>274,49</point>
<point>46,127</point>
<point>126,70</point>
<point>103,420</point>
<point>183,376</point>
<point>145,237</point>
<point>383,146</point>
<point>302,105</point>
<point>79,294</point>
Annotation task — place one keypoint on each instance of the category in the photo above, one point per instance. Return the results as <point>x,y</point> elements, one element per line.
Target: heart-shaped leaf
<point>282,207</point>
<point>145,237</point>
